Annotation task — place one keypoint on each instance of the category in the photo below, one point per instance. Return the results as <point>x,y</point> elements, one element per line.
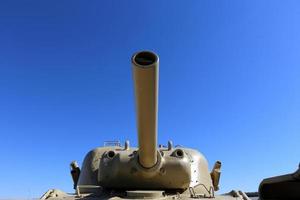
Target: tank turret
<point>146,167</point>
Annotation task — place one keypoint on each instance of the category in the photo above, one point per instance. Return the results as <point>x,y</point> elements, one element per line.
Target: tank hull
<point>60,196</point>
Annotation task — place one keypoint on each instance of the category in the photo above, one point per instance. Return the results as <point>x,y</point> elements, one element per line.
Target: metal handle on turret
<point>145,74</point>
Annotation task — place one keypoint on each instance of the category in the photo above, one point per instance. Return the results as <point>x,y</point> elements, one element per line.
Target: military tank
<point>149,171</point>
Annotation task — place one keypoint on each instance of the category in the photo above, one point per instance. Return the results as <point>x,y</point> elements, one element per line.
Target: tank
<point>149,171</point>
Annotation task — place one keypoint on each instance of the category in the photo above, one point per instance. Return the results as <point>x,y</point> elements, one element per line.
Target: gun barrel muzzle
<point>145,73</point>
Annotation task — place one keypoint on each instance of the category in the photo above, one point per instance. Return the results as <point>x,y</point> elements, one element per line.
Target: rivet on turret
<point>162,171</point>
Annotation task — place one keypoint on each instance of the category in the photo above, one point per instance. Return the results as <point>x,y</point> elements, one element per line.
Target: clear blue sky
<point>229,85</point>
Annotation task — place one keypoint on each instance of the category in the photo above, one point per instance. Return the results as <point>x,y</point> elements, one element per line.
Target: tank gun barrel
<point>145,73</point>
